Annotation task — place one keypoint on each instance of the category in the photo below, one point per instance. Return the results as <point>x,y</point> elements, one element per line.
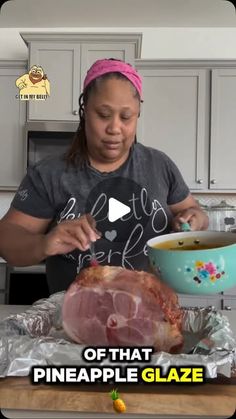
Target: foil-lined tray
<point>36,337</point>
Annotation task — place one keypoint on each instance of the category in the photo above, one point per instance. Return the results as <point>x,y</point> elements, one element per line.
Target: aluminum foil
<point>36,337</point>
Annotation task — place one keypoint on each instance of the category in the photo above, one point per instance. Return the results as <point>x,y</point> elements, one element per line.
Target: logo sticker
<point>33,85</point>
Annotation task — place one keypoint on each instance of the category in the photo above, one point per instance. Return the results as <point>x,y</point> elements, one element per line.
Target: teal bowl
<point>196,262</point>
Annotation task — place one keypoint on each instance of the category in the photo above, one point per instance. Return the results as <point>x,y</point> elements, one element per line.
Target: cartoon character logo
<point>33,85</point>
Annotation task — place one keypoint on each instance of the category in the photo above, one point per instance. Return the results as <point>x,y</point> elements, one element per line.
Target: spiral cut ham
<point>113,306</point>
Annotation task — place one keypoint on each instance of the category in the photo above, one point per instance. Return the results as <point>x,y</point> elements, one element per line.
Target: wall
<point>5,200</point>
<point>163,43</point>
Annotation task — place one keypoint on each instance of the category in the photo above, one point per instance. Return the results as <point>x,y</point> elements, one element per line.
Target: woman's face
<point>111,115</point>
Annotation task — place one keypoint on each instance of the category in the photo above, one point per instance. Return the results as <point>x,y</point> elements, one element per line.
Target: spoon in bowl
<point>185,227</point>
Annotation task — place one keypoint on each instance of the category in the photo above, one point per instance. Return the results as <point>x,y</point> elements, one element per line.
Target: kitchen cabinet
<point>12,122</point>
<point>65,58</point>
<point>173,118</point>
<point>3,282</point>
<point>189,112</point>
<point>223,128</point>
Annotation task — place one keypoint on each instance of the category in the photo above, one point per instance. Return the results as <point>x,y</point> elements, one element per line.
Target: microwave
<point>45,139</point>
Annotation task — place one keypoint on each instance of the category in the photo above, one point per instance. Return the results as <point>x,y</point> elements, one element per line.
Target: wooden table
<point>202,400</point>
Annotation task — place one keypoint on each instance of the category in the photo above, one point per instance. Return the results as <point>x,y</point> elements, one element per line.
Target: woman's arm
<point>24,241</point>
<point>22,238</point>
<point>189,211</point>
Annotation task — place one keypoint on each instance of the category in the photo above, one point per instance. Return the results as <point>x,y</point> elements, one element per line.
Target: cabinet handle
<point>213,181</point>
<point>75,112</point>
<point>200,181</point>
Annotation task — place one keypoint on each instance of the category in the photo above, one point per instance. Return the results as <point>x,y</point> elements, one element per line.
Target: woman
<point>62,204</point>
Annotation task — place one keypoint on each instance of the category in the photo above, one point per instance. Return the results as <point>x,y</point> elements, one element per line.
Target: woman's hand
<point>194,216</point>
<point>189,211</point>
<point>70,235</point>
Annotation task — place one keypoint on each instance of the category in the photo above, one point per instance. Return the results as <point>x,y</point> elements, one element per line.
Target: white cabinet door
<point>12,122</point>
<point>223,130</point>
<point>65,58</point>
<point>66,66</point>
<point>93,52</point>
<point>61,63</point>
<point>173,119</point>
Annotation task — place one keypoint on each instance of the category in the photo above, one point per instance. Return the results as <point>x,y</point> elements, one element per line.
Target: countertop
<point>19,398</point>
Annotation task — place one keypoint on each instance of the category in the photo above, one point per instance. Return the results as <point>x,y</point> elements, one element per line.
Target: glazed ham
<point>113,306</point>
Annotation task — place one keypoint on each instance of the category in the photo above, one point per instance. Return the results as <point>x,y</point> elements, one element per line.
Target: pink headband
<point>104,66</point>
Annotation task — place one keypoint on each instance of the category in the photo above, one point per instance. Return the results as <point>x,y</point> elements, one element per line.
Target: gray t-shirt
<point>148,182</point>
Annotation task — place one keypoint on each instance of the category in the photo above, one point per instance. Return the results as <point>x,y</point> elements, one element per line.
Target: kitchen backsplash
<point>215,199</point>
<point>203,199</point>
<point>221,210</point>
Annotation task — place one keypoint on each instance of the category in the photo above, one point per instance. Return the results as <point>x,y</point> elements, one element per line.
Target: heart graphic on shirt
<point>110,235</point>
<point>109,216</point>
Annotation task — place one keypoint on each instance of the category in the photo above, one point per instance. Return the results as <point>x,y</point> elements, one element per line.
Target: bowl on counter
<point>195,262</point>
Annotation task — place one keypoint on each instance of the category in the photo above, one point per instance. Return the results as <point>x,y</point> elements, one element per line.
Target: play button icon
<point>121,209</point>
<point>116,209</point>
